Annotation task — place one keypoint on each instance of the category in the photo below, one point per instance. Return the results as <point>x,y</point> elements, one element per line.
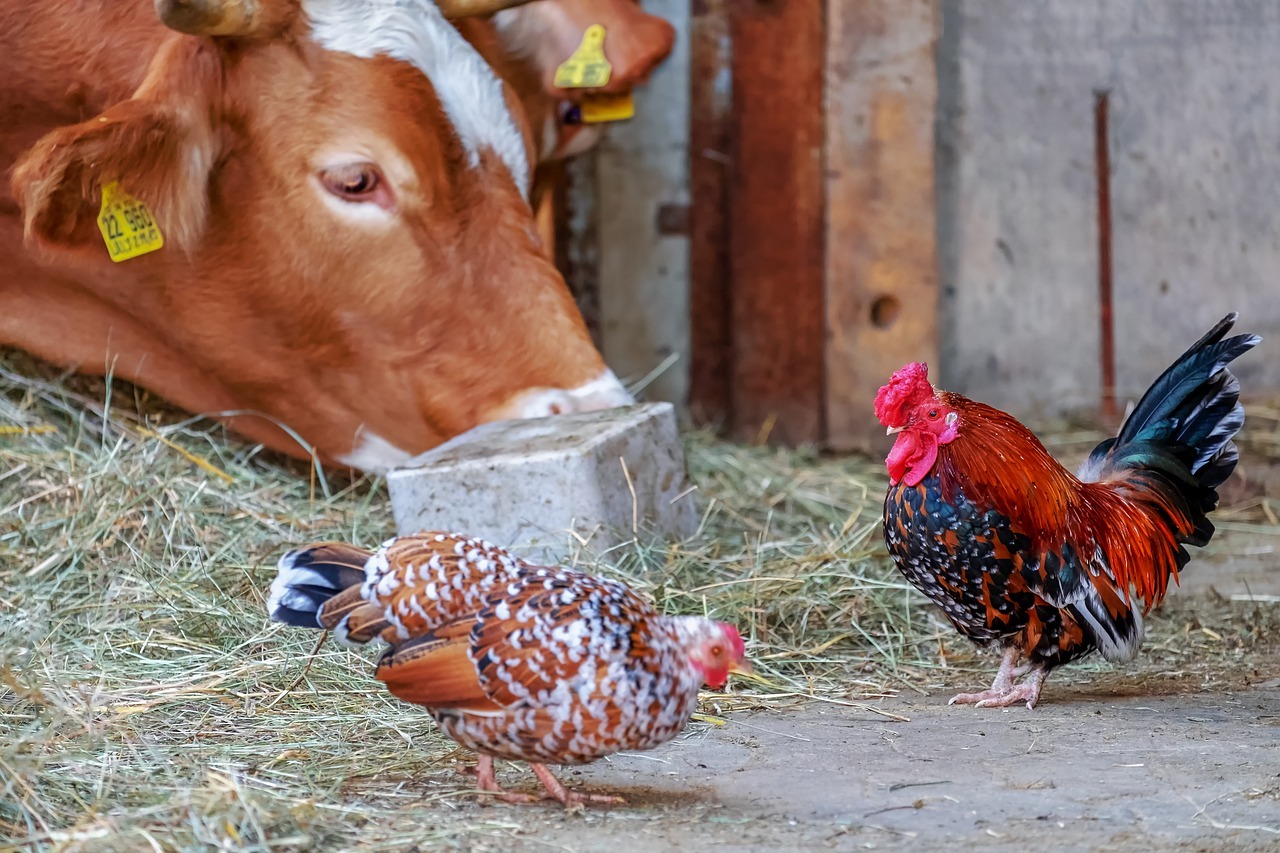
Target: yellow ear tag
<point>602,108</point>
<point>587,68</point>
<point>127,225</point>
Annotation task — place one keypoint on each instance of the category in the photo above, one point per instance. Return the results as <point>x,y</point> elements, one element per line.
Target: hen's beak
<point>743,666</point>
<point>892,430</point>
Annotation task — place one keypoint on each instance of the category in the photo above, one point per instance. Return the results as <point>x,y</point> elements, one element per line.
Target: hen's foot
<point>558,791</point>
<point>487,783</point>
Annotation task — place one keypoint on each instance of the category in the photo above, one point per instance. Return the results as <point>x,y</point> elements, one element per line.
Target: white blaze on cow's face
<point>415,32</point>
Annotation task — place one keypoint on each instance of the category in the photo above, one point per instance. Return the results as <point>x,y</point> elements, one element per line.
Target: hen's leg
<point>487,782</point>
<point>1001,686</point>
<point>556,789</point>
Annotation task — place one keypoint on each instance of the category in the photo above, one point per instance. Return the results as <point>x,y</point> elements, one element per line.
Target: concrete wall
<point>1195,155</point>
<point>641,165</point>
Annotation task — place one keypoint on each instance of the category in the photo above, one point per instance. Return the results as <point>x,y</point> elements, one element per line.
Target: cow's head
<point>543,34</point>
<point>341,185</point>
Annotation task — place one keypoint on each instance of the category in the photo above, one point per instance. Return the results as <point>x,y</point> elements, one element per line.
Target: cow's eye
<point>353,182</point>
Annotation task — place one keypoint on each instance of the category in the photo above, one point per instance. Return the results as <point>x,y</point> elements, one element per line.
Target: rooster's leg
<point>1003,691</point>
<point>487,782</point>
<point>1001,686</point>
<point>556,789</point>
<point>1028,691</point>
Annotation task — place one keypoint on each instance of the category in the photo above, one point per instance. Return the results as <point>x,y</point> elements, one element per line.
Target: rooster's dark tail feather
<point>1181,434</point>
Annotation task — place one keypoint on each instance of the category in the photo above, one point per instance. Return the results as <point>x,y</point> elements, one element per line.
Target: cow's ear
<point>548,33</point>
<point>159,146</point>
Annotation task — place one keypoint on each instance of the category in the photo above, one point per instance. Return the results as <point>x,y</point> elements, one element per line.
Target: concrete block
<point>536,486</point>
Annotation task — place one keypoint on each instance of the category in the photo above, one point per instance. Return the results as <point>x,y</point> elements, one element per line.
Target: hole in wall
<point>885,311</point>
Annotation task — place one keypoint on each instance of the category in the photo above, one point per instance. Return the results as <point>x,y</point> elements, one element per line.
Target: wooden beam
<point>710,103</point>
<point>881,263</point>
<point>548,181</point>
<point>577,239</point>
<point>775,220</point>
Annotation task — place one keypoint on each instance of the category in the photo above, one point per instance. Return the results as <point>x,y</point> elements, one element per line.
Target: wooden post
<point>548,182</point>
<point>577,242</point>
<point>813,258</point>
<point>881,258</point>
<point>775,220</point>
<point>710,103</point>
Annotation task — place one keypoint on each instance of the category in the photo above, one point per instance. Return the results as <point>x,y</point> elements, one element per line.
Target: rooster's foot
<point>1003,693</point>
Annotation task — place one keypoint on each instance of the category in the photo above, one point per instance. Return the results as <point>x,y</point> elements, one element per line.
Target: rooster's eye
<point>933,414</point>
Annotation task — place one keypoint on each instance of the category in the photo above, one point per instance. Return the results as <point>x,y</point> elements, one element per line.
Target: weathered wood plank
<point>881,265</point>
<point>578,238</point>
<point>776,220</point>
<point>710,102</point>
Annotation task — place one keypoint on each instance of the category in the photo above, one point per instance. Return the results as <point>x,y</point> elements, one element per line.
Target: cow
<point>350,266</point>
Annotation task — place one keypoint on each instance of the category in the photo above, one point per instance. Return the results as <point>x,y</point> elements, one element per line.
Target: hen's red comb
<point>907,388</point>
<point>731,635</point>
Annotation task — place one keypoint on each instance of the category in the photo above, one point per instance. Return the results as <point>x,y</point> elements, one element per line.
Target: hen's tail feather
<point>309,577</point>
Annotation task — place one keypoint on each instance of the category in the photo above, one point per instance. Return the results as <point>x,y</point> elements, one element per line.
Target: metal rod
<point>1102,155</point>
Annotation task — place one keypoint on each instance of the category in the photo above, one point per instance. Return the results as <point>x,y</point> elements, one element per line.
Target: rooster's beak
<point>892,430</point>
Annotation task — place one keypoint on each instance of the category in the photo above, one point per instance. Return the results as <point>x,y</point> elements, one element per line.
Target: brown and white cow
<point>350,257</point>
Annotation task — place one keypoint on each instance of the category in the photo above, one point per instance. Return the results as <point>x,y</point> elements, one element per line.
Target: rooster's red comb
<point>907,388</point>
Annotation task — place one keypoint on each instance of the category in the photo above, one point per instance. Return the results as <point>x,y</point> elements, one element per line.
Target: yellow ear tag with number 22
<point>587,68</point>
<point>127,226</point>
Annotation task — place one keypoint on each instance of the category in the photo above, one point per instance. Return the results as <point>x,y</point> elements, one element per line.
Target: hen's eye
<point>933,414</point>
<point>717,651</point>
<point>355,182</point>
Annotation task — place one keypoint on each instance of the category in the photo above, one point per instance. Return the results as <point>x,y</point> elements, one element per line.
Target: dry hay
<point>146,702</point>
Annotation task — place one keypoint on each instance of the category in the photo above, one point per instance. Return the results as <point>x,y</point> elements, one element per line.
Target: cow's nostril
<point>549,403</point>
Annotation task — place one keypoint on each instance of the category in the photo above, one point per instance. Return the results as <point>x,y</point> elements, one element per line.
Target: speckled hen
<point>1020,553</point>
<point>513,660</point>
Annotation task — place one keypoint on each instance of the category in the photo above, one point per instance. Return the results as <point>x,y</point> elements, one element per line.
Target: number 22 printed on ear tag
<point>127,226</point>
<point>587,68</point>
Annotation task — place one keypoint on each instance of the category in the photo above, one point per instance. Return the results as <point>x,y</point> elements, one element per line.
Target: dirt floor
<point>1104,766</point>
<point>1142,757</point>
<point>146,704</point>
<point>1090,769</point>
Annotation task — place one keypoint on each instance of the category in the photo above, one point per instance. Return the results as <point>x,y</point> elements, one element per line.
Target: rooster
<point>1046,565</point>
<point>516,661</point>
